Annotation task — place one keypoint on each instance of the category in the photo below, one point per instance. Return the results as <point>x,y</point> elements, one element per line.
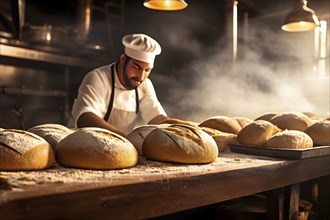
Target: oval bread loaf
<point>180,144</point>
<point>292,121</point>
<point>52,133</point>
<point>22,150</point>
<point>257,133</point>
<point>222,139</point>
<point>266,116</point>
<point>320,133</point>
<point>243,121</point>
<point>96,148</point>
<point>136,137</point>
<point>290,139</point>
<point>222,123</point>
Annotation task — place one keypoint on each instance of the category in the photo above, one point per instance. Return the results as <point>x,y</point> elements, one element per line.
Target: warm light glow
<point>48,36</point>
<point>299,26</point>
<point>165,5</point>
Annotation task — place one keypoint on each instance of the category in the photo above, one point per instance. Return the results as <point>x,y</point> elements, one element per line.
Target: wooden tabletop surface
<point>149,189</point>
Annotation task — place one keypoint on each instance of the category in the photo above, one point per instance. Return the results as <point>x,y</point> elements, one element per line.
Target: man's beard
<point>130,83</point>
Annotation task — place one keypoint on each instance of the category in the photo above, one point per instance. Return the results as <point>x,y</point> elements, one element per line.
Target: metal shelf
<point>36,92</point>
<point>35,55</point>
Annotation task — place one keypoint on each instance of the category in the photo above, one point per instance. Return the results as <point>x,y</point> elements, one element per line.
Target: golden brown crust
<point>290,139</point>
<point>222,123</point>
<point>243,121</point>
<point>179,121</point>
<point>181,144</point>
<point>320,133</point>
<point>292,121</point>
<point>22,150</point>
<point>266,116</point>
<point>96,148</point>
<point>222,139</point>
<point>257,133</point>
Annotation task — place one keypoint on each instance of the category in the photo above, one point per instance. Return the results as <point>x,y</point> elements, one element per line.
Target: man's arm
<point>89,119</point>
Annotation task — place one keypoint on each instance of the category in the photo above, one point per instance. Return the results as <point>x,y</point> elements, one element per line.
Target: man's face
<point>134,72</point>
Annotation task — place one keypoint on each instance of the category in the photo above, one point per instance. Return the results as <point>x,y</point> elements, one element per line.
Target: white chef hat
<point>141,47</point>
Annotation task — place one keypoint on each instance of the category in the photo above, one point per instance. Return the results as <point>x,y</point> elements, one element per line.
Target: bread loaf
<point>22,150</point>
<point>320,133</point>
<point>292,121</point>
<point>52,133</point>
<point>179,121</point>
<point>266,116</point>
<point>222,139</point>
<point>136,137</point>
<point>243,121</point>
<point>257,133</point>
<point>290,139</point>
<point>222,123</point>
<point>96,148</point>
<point>180,144</point>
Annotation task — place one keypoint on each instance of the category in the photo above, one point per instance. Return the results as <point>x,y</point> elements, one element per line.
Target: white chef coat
<point>94,95</point>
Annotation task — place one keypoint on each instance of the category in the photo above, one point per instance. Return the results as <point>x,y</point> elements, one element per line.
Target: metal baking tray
<point>280,152</point>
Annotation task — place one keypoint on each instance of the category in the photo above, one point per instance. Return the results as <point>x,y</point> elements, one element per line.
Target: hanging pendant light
<point>165,5</point>
<point>301,18</point>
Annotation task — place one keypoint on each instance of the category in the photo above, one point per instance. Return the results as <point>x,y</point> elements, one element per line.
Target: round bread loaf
<point>222,139</point>
<point>257,133</point>
<point>290,139</point>
<point>292,121</point>
<point>320,133</point>
<point>22,150</point>
<point>136,137</point>
<point>222,123</point>
<point>52,133</point>
<point>266,116</point>
<point>243,121</point>
<point>180,144</point>
<point>96,148</point>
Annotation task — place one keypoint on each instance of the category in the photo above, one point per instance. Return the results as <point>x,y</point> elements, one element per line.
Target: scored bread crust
<point>180,144</point>
<point>222,123</point>
<point>22,150</point>
<point>290,139</point>
<point>52,133</point>
<point>319,132</point>
<point>136,137</point>
<point>292,121</point>
<point>96,148</point>
<point>257,133</point>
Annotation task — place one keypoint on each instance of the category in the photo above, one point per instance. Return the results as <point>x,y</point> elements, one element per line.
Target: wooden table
<point>153,189</point>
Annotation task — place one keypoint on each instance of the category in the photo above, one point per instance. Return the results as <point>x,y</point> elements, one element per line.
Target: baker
<point>120,96</point>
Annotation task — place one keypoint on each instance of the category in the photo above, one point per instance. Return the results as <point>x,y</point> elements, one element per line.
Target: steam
<point>262,81</point>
